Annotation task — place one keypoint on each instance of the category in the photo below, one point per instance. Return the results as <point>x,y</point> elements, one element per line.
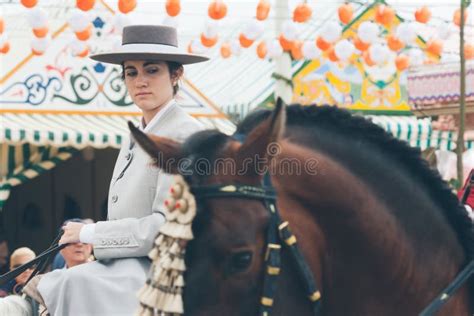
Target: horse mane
<point>342,122</point>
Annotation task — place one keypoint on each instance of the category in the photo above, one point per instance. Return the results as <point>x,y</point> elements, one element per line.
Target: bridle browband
<point>278,234</point>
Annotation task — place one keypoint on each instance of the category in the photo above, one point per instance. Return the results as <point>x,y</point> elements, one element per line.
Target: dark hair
<point>173,68</point>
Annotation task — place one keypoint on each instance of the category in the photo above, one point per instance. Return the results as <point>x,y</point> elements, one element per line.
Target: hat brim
<point>120,57</point>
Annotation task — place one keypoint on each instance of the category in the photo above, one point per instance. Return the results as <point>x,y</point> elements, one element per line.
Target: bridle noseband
<point>278,234</point>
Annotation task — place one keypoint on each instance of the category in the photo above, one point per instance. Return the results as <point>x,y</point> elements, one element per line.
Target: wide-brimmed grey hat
<point>149,42</point>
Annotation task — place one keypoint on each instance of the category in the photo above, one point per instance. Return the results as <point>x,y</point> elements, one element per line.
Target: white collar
<point>165,108</point>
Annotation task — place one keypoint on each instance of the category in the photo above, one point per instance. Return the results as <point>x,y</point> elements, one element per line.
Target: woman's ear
<point>177,74</point>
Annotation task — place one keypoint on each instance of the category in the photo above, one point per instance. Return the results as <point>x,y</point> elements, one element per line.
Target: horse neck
<point>350,237</point>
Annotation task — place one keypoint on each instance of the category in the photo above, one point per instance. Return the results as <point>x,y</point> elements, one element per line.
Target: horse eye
<point>240,262</point>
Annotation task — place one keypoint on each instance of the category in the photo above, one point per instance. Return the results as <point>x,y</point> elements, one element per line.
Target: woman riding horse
<point>152,67</point>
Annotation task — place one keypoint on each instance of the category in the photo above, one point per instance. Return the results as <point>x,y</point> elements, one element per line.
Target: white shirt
<point>86,235</point>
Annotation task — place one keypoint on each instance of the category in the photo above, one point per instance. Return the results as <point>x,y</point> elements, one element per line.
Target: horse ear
<point>259,140</point>
<point>166,153</point>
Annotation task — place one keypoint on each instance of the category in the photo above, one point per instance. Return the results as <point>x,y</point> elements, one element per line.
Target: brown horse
<point>381,232</point>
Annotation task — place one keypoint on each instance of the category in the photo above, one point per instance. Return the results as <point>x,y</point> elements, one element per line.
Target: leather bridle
<point>278,235</point>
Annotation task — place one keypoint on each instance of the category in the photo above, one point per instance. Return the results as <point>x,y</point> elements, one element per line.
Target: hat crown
<point>150,34</point>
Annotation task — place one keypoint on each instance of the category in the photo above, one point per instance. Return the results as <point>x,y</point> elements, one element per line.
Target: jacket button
<point>114,199</point>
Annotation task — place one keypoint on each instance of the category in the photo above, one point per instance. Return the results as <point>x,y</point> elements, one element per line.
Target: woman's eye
<point>130,73</point>
<point>151,70</point>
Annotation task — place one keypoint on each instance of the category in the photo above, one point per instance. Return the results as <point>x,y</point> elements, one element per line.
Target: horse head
<point>225,260</point>
<point>338,180</point>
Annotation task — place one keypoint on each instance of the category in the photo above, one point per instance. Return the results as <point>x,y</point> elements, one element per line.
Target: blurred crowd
<point>70,256</point>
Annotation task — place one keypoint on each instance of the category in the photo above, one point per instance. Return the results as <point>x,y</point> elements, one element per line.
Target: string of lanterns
<point>374,42</point>
<point>397,43</point>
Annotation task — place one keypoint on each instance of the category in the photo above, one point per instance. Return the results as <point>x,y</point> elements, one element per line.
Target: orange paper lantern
<point>384,15</point>
<point>126,6</point>
<point>469,51</point>
<point>434,47</point>
<point>262,50</point>
<point>208,42</point>
<point>36,52</point>
<point>2,25</point>
<point>173,7</point>
<point>394,43</point>
<point>85,34</point>
<point>368,61</point>
<point>423,15</point>
<point>41,32</point>
<point>29,3</point>
<point>296,50</point>
<point>345,13</point>
<point>322,44</point>
<point>5,48</point>
<point>225,50</point>
<point>217,9</point>
<point>83,54</point>
<point>360,45</point>
<point>332,54</point>
<point>85,5</point>
<point>263,9</point>
<point>284,43</point>
<point>457,17</point>
<point>302,13</point>
<point>402,62</point>
<point>244,41</point>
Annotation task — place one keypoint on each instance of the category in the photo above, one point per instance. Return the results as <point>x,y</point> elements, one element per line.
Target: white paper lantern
<point>379,53</point>
<point>406,32</point>
<point>197,47</point>
<point>37,18</point>
<point>235,47</point>
<point>3,39</point>
<point>331,31</point>
<point>79,20</point>
<point>78,47</point>
<point>172,21</point>
<point>211,28</point>
<point>253,29</point>
<point>40,44</point>
<point>368,32</point>
<point>120,21</point>
<point>344,50</point>
<point>445,30</point>
<point>417,57</point>
<point>310,50</point>
<point>274,49</point>
<point>290,30</point>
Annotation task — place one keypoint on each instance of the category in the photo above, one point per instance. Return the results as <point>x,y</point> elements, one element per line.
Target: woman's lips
<point>142,94</point>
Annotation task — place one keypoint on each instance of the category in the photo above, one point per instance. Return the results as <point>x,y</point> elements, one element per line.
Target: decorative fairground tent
<point>375,89</point>
<point>55,101</point>
<point>434,93</point>
<point>360,63</point>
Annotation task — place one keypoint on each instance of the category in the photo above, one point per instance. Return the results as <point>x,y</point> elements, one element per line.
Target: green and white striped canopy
<point>418,132</point>
<point>32,143</point>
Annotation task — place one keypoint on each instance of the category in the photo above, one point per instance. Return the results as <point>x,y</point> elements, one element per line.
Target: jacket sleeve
<point>132,237</point>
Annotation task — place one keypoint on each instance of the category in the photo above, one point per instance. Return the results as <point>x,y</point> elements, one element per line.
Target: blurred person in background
<point>19,257</point>
<point>74,254</point>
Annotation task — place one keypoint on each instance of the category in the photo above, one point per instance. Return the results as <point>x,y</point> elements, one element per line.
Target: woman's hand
<point>71,233</point>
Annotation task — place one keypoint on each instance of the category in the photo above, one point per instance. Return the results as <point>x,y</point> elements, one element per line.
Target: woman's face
<point>149,84</point>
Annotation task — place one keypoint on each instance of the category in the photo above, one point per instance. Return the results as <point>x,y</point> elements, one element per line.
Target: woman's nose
<point>141,81</point>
